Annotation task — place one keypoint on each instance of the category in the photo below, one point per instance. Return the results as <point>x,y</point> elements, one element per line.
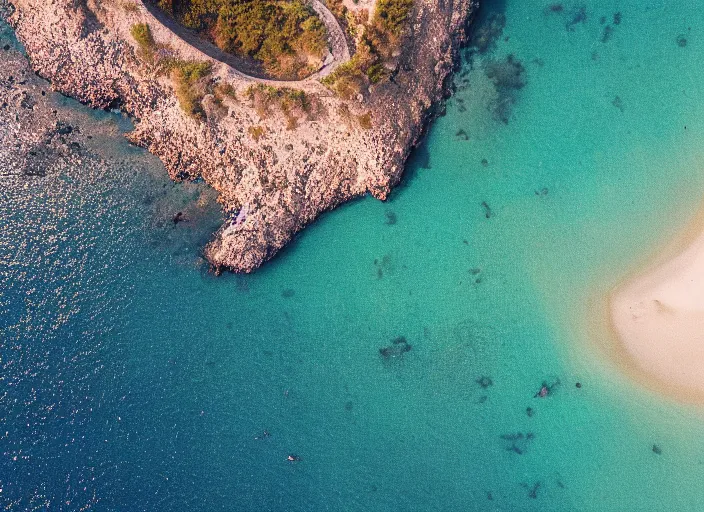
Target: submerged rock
<point>396,349</point>
<point>484,382</point>
<point>486,35</point>
<point>518,442</point>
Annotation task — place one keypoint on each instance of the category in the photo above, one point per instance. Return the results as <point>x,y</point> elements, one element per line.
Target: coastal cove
<point>447,349</point>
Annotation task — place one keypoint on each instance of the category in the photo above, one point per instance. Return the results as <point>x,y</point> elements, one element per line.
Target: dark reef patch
<point>572,16</point>
<point>396,349</point>
<point>518,442</point>
<point>508,76</point>
<point>484,382</point>
<point>179,218</point>
<point>475,273</point>
<point>532,489</point>
<point>288,293</point>
<point>578,16</point>
<point>383,265</point>
<point>488,32</point>
<point>391,218</point>
<point>547,389</point>
<point>618,103</point>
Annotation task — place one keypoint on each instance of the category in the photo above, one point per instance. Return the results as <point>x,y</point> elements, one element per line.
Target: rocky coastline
<point>272,178</point>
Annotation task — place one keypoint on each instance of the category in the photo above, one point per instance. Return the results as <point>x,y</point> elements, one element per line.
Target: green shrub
<point>348,80</point>
<point>376,72</point>
<point>142,35</point>
<point>337,7</point>
<point>187,77</point>
<point>257,132</point>
<point>167,6</point>
<point>391,15</point>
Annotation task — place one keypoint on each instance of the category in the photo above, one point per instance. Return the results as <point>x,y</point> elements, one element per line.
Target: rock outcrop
<point>274,174</point>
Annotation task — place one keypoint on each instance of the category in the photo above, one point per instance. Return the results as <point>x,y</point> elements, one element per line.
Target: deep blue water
<point>131,379</point>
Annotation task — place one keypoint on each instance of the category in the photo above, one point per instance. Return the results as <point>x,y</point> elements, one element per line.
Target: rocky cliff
<point>274,172</point>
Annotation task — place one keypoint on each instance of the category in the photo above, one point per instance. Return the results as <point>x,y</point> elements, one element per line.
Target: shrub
<point>292,103</point>
<point>257,132</point>
<point>187,78</point>
<point>365,121</point>
<point>167,6</point>
<point>337,7</point>
<point>376,72</point>
<point>391,15</point>
<point>225,90</point>
<point>348,79</point>
<point>130,7</point>
<point>142,35</point>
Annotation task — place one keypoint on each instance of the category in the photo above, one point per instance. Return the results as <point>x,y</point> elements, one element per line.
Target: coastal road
<point>246,68</point>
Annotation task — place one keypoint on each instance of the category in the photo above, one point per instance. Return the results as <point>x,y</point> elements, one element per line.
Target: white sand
<point>659,318</point>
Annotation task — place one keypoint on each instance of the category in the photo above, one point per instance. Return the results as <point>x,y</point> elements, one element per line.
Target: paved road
<point>247,68</point>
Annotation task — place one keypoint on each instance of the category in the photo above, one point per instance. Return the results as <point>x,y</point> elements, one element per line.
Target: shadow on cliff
<point>418,161</point>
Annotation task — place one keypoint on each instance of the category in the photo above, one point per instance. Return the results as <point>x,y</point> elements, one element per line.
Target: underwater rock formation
<point>396,349</point>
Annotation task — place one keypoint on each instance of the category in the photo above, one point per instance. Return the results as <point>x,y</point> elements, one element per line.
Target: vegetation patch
<point>391,15</point>
<point>225,90</point>
<point>142,35</point>
<point>292,103</point>
<point>130,7</point>
<point>188,78</point>
<point>285,36</point>
<point>377,43</point>
<point>365,121</point>
<point>256,132</point>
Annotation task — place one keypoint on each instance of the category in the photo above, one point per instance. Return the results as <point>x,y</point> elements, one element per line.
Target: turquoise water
<point>133,380</point>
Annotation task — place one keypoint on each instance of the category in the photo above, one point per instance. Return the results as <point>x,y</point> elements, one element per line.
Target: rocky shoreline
<point>272,178</point>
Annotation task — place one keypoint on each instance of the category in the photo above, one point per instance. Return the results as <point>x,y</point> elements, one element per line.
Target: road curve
<point>246,69</point>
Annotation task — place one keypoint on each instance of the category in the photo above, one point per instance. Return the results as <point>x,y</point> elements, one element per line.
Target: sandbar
<point>658,319</point>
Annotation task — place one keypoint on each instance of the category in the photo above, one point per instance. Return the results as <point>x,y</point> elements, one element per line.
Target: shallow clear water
<point>133,380</point>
